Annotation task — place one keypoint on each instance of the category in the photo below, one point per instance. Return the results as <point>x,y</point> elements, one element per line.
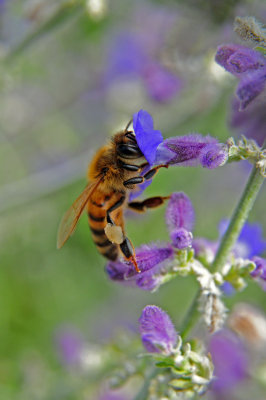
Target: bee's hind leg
<point>115,234</point>
<point>129,252</point>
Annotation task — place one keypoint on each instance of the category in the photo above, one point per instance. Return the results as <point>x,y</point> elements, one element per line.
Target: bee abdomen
<point>97,223</point>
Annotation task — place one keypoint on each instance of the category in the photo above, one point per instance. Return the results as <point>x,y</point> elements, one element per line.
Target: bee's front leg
<point>140,179</point>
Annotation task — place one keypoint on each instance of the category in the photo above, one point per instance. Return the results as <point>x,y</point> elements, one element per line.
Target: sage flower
<point>157,331</point>
<point>248,65</point>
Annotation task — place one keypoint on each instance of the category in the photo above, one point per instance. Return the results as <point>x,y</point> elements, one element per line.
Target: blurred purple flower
<point>69,344</point>
<point>125,57</point>
<point>113,395</point>
<point>260,270</point>
<point>2,5</point>
<point>247,64</point>
<point>191,150</point>
<point>227,288</point>
<point>157,331</point>
<point>250,242</point>
<point>161,84</point>
<point>250,122</point>
<point>250,87</point>
<point>180,220</point>
<point>148,139</point>
<point>130,56</point>
<point>230,361</point>
<point>150,258</point>
<point>205,248</point>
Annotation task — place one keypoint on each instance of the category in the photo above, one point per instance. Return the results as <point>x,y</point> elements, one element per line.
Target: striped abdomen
<point>97,213</point>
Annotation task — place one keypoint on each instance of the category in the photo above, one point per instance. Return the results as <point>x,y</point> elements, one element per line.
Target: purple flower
<point>260,270</point>
<point>125,57</point>
<point>157,331</point>
<point>230,361</point>
<point>69,344</point>
<point>212,156</point>
<point>113,395</point>
<point>181,238</point>
<point>150,258</point>
<point>162,85</point>
<point>250,87</point>
<point>2,5</point>
<point>250,122</point>
<point>191,150</point>
<point>148,139</point>
<point>154,259</point>
<point>227,288</point>
<point>129,56</point>
<point>239,59</point>
<point>180,220</point>
<point>250,242</point>
<point>247,64</point>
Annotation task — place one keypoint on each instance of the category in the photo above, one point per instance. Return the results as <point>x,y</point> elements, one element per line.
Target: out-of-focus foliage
<point>58,103</point>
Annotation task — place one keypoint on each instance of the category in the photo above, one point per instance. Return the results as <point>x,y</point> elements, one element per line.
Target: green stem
<point>65,11</point>
<point>144,391</point>
<point>191,317</point>
<point>238,219</point>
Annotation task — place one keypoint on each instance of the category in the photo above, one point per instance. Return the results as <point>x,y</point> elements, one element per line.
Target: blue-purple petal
<point>157,330</point>
<point>147,138</point>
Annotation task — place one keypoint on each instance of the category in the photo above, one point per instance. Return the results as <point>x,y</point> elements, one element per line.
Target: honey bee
<point>114,172</point>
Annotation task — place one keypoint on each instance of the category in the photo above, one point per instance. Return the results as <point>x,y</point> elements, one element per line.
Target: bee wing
<point>71,217</point>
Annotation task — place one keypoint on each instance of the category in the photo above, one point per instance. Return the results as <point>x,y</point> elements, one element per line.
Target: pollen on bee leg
<point>114,233</point>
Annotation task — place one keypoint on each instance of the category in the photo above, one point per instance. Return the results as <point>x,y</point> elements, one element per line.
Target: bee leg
<point>115,234</point>
<point>146,177</point>
<point>114,207</point>
<point>129,253</point>
<point>152,202</point>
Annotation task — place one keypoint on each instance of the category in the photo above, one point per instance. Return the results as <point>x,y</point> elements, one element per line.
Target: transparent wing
<point>71,217</point>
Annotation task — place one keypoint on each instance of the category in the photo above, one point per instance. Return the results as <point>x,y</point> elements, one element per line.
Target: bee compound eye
<point>129,151</point>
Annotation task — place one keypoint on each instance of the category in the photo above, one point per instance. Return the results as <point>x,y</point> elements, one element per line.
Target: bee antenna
<point>128,125</point>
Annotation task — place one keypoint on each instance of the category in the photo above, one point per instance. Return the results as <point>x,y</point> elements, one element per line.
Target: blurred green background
<point>55,111</point>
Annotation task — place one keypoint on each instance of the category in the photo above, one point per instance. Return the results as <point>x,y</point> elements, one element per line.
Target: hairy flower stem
<point>238,219</point>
